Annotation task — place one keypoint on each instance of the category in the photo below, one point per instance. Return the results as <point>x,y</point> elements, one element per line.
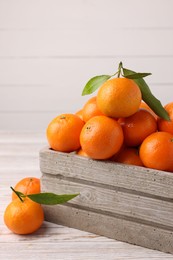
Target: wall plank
<point>52,99</point>
<point>74,72</point>
<point>88,42</point>
<point>29,122</point>
<point>40,99</point>
<point>84,14</point>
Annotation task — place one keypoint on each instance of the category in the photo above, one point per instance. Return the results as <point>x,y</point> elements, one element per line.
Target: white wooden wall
<point>50,48</point>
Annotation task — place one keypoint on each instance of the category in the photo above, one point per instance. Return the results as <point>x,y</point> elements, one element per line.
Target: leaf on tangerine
<point>94,83</point>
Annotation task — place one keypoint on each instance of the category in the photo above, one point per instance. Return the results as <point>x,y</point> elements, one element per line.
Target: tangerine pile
<point>116,125</point>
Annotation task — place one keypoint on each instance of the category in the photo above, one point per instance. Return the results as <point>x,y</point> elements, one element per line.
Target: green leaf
<point>148,97</point>
<point>94,83</point>
<point>48,198</point>
<point>137,75</point>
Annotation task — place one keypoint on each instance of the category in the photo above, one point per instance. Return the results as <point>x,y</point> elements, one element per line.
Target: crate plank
<point>109,201</point>
<point>140,179</point>
<point>112,227</point>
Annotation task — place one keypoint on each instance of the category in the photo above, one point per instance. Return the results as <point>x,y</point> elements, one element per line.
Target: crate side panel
<point>134,178</point>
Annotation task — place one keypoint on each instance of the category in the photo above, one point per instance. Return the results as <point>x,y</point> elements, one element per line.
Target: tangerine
<point>82,153</point>
<point>129,156</point>
<point>164,125</point>
<point>145,106</point>
<point>101,137</point>
<point>28,185</point>
<point>63,133</point>
<point>119,97</point>
<point>156,151</point>
<point>90,109</point>
<point>137,127</point>
<point>23,217</point>
<point>79,113</point>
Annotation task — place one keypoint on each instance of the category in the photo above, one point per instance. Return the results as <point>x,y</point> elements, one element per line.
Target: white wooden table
<point>19,158</point>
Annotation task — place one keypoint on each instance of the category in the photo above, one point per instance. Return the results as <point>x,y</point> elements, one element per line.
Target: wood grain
<point>105,200</point>
<point>112,227</point>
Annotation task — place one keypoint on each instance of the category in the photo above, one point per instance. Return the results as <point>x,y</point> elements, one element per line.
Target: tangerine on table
<point>164,125</point>
<point>23,217</point>
<point>128,156</point>
<point>28,185</point>
<point>137,127</point>
<point>90,109</point>
<point>101,137</point>
<point>119,97</point>
<point>63,132</point>
<point>156,151</point>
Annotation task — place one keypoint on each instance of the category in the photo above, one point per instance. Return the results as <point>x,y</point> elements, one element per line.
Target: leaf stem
<point>114,74</point>
<point>17,194</point>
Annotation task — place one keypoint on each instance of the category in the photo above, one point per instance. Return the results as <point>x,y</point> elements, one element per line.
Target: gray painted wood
<point>127,205</point>
<point>112,227</point>
<point>132,204</point>
<point>134,178</point>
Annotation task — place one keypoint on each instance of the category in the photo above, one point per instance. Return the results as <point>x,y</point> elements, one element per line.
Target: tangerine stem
<point>17,194</point>
<point>119,68</point>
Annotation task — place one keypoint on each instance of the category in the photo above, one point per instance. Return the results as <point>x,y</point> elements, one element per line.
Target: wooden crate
<point>127,203</point>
